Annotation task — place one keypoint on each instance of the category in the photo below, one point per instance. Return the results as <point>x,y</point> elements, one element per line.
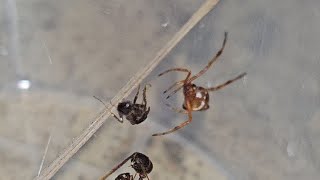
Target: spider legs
<point>120,119</point>
<point>177,110</point>
<point>144,101</point>
<point>226,83</point>
<point>179,83</point>
<point>136,96</point>
<point>117,167</point>
<point>181,125</point>
<point>177,127</point>
<point>189,79</point>
<point>144,94</point>
<point>144,175</point>
<point>177,69</point>
<point>173,85</point>
<point>212,61</point>
<point>173,92</point>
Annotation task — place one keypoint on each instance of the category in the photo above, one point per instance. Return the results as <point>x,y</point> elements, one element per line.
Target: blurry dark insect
<point>135,113</point>
<point>124,176</point>
<point>139,162</point>
<point>196,98</point>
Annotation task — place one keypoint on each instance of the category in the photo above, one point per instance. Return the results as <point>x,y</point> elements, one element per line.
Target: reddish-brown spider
<point>196,98</point>
<point>139,162</point>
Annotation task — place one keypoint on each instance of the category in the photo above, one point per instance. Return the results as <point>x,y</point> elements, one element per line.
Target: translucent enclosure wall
<point>56,55</point>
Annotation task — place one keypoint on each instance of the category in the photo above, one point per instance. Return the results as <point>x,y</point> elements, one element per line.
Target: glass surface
<point>56,55</point>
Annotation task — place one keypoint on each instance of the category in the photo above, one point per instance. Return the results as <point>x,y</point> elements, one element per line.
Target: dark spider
<point>139,162</point>
<point>196,98</point>
<point>127,176</point>
<point>135,113</point>
<point>124,176</point>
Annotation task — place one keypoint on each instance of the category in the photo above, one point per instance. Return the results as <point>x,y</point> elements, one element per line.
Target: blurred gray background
<point>265,126</point>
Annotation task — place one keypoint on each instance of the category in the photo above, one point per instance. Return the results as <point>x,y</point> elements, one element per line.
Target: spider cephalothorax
<point>196,98</point>
<point>124,176</point>
<point>141,164</point>
<point>124,108</point>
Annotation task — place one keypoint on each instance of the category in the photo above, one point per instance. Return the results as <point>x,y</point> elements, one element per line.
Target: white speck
<point>199,95</point>
<point>166,23</point>
<point>107,11</point>
<point>47,51</point>
<point>244,80</point>
<point>24,84</point>
<point>302,86</point>
<point>201,25</point>
<point>290,150</point>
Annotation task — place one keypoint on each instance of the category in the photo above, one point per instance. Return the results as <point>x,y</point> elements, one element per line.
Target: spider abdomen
<point>198,98</point>
<point>141,164</point>
<point>138,114</point>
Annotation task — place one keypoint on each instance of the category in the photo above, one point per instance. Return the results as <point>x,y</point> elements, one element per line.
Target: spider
<point>135,113</point>
<point>139,162</point>
<point>124,176</point>
<point>196,98</point>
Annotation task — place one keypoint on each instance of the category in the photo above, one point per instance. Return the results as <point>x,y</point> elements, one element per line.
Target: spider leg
<point>177,83</point>
<point>173,92</point>
<point>120,119</point>
<point>212,61</point>
<point>177,110</point>
<point>117,167</point>
<point>181,125</point>
<point>173,85</point>
<point>144,101</point>
<point>226,83</point>
<point>176,69</point>
<point>144,173</point>
<point>136,96</point>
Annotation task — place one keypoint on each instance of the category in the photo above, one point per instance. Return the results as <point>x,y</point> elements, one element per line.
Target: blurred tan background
<point>265,126</point>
